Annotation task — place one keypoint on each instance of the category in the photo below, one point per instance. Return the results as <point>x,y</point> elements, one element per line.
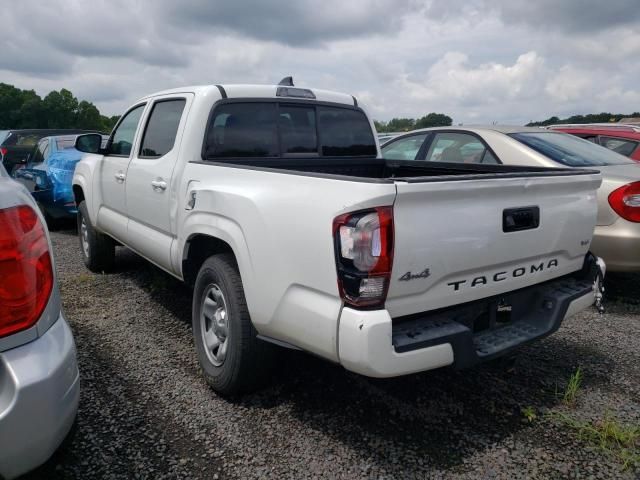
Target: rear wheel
<point>232,358</point>
<point>98,249</point>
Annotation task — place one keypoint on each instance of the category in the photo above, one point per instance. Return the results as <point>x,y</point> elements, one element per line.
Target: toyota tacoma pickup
<point>275,205</point>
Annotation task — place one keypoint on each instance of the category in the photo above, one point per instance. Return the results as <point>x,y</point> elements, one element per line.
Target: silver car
<point>39,382</point>
<point>617,234</point>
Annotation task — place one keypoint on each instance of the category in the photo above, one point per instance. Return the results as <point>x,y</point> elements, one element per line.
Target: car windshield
<point>20,139</point>
<point>569,150</point>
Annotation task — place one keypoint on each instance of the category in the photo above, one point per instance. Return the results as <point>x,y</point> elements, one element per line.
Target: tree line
<point>59,109</point>
<point>604,117</point>
<point>406,124</point>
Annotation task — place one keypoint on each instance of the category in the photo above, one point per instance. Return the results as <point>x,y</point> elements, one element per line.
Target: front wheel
<point>98,249</point>
<point>232,358</point>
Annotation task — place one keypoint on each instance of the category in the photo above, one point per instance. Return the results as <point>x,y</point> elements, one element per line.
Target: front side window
<point>569,150</point>
<point>122,139</point>
<point>271,129</point>
<point>162,128</point>
<point>453,147</point>
<point>619,145</point>
<point>405,148</point>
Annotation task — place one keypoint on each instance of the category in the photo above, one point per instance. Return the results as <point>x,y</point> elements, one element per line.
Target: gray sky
<point>478,61</point>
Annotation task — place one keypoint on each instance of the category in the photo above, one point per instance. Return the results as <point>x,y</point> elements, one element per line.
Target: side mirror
<point>89,143</point>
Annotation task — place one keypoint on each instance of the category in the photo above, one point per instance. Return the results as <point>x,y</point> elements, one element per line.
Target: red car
<point>621,138</point>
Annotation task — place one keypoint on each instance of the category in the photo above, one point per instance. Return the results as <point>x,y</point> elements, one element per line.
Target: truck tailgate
<point>461,240</point>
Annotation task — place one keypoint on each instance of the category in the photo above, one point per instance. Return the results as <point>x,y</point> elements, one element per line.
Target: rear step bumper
<point>372,344</point>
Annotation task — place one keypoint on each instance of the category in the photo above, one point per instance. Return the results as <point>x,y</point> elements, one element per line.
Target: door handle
<point>159,185</point>
<point>120,177</point>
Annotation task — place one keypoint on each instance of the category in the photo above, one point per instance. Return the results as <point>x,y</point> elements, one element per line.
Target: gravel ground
<point>145,411</point>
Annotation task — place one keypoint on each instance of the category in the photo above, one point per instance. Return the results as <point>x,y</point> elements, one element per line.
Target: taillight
<point>26,273</point>
<point>3,151</point>
<point>364,256</point>
<point>625,201</point>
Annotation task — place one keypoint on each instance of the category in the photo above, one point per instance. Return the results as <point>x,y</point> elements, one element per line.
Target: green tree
<point>109,122</point>
<point>88,116</point>
<point>380,126</point>
<point>60,109</point>
<point>10,103</point>
<point>434,120</point>
<point>30,114</point>
<point>400,124</point>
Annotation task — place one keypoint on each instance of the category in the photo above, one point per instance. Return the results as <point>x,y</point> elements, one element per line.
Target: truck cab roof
<point>255,91</point>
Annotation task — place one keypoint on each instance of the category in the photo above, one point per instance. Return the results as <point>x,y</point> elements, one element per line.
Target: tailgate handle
<point>520,218</point>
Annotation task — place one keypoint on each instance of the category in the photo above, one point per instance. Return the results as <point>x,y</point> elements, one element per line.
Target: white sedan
<point>617,234</point>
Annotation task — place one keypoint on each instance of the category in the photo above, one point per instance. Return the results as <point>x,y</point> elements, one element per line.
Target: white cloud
<point>454,80</point>
<point>508,61</point>
<point>568,85</point>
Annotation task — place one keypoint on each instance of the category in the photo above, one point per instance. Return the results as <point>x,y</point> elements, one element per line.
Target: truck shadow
<point>624,287</point>
<point>439,417</point>
<point>435,419</point>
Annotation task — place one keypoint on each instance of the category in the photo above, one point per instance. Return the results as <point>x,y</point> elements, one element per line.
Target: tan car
<point>617,234</point>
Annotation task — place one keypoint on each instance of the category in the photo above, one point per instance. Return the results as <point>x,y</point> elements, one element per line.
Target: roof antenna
<point>286,82</point>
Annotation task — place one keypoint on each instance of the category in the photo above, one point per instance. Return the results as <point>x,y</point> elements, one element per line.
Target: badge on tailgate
<point>520,218</point>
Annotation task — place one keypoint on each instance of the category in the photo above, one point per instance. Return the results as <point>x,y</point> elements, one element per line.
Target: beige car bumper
<point>619,245</point>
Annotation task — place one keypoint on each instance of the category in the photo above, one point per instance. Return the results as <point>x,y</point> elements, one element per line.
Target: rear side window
<point>271,129</point>
<point>455,147</point>
<point>619,145</point>
<point>65,143</point>
<point>162,128</point>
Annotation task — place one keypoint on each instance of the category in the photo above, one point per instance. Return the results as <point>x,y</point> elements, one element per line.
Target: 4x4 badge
<point>414,276</point>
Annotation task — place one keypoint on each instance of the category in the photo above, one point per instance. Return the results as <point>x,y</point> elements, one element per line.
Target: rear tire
<point>232,358</point>
<point>98,250</point>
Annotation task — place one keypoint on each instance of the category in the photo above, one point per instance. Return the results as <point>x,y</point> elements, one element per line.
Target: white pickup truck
<point>274,203</point>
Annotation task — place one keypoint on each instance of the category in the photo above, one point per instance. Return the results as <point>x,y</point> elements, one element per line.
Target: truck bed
<point>381,170</point>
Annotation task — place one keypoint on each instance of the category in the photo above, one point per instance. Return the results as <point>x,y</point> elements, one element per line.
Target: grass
<point>529,413</point>
<point>573,387</point>
<point>84,278</point>
<point>610,436</point>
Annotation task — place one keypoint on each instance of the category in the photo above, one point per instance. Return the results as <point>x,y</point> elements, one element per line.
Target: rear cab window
<point>271,129</point>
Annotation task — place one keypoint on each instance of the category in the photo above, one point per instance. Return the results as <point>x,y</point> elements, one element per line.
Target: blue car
<point>48,174</point>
